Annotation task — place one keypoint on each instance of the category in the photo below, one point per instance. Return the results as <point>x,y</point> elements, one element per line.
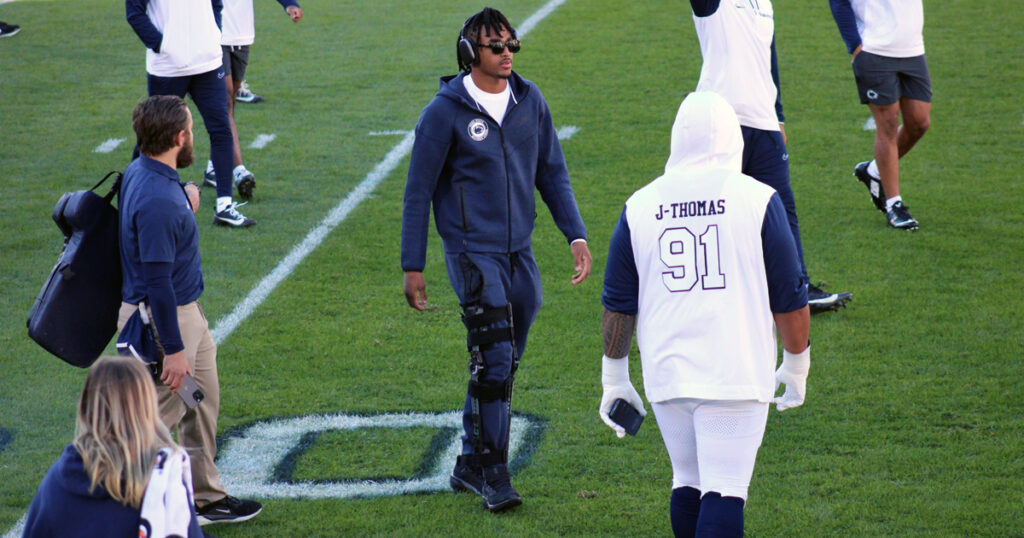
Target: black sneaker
<point>466,477</point>
<point>873,184</point>
<point>7,30</point>
<point>899,217</point>
<point>498,492</point>
<point>245,183</point>
<point>228,510</point>
<point>210,179</point>
<point>821,301</point>
<point>230,216</point>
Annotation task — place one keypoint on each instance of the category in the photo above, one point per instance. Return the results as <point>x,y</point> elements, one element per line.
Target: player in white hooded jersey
<point>703,263</point>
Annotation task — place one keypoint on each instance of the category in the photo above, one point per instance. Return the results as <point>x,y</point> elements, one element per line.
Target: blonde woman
<point>123,475</point>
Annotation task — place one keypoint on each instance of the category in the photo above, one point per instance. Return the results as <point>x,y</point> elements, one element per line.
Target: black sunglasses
<point>497,47</point>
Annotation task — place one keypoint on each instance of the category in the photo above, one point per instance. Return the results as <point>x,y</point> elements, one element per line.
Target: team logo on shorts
<point>478,129</point>
<point>872,94</point>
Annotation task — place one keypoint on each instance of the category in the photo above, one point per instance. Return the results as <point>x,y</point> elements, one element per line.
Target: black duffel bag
<point>75,315</point>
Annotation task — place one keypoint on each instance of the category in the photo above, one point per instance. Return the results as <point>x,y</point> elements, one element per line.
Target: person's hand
<point>582,259</point>
<point>295,12</point>
<point>792,373</point>
<point>192,193</point>
<point>415,289</point>
<point>175,368</point>
<point>856,51</point>
<point>782,129</point>
<point>616,384</point>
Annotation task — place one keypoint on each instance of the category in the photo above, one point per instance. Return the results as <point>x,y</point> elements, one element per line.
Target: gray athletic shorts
<point>882,80</point>
<point>236,59</point>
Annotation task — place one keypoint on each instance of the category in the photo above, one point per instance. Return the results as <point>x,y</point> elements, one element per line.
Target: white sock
<point>239,170</point>
<point>891,201</point>
<point>209,166</point>
<point>223,202</point>
<point>873,169</point>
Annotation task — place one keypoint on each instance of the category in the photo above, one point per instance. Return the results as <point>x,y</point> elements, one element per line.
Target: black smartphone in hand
<point>625,415</point>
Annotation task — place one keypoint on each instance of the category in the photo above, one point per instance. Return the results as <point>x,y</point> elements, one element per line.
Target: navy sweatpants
<point>494,280</point>
<point>765,159</point>
<point>208,92</point>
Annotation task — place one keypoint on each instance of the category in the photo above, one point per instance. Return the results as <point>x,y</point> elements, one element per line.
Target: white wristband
<point>614,371</point>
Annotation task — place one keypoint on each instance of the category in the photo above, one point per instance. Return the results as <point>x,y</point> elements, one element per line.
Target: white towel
<point>167,505</point>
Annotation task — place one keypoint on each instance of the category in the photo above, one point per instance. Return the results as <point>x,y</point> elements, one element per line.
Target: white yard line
<point>226,325</point>
<point>565,132</point>
<point>109,145</point>
<point>262,141</point>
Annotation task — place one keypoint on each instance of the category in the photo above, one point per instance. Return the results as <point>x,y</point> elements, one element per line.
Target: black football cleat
<point>873,184</point>
<point>820,300</point>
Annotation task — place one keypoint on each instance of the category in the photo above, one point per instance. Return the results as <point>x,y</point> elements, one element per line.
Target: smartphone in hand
<point>190,392</point>
<point>625,415</point>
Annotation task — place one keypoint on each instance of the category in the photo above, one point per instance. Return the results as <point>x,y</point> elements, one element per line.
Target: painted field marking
<point>226,325</point>
<point>870,124</point>
<point>262,141</point>
<point>565,132</point>
<point>108,146</point>
<point>394,132</point>
<point>249,459</point>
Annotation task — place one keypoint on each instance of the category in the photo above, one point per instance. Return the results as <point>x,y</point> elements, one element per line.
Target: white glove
<point>793,373</point>
<point>615,381</point>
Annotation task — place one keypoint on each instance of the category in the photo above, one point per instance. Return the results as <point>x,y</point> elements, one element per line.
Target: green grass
<point>913,422</point>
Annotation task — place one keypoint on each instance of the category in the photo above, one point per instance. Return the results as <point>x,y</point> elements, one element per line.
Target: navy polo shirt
<point>157,226</point>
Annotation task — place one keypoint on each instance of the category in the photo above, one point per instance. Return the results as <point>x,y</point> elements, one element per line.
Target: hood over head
<point>706,134</point>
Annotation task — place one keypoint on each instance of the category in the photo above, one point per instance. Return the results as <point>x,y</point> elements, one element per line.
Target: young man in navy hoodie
<point>483,144</point>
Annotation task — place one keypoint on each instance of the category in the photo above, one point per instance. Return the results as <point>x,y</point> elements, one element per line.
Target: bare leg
<point>232,89</point>
<point>916,120</point>
<point>887,130</point>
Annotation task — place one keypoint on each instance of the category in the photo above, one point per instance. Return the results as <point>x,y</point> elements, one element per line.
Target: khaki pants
<point>196,428</point>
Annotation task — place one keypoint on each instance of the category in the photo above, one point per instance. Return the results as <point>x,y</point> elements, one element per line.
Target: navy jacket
<point>481,177</point>
<point>63,506</point>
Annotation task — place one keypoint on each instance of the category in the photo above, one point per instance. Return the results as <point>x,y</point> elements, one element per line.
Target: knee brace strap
<point>478,319</point>
<point>490,392</point>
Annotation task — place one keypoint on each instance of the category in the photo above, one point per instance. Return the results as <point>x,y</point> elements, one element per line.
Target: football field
<point>338,401</point>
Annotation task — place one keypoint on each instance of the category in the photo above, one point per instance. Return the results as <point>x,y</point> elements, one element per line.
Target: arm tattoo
<point>617,333</point>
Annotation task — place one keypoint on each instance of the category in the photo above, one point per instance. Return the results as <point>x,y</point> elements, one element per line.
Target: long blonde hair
<point>118,430</point>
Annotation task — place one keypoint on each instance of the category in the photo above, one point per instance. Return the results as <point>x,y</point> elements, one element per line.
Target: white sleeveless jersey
<point>890,27</point>
<point>735,42</point>
<point>238,23</point>
<point>704,325</point>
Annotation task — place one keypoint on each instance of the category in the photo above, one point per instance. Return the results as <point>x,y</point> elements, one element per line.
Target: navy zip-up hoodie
<point>480,176</point>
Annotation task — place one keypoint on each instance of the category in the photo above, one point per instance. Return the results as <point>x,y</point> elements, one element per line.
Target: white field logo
<point>251,459</point>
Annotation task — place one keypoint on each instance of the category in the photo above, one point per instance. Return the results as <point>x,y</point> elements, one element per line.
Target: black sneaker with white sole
<point>873,184</point>
<point>8,30</point>
<point>899,217</point>
<point>497,491</point>
<point>466,477</point>
<point>820,300</point>
<point>230,216</point>
<point>210,179</point>
<point>245,183</point>
<point>228,510</point>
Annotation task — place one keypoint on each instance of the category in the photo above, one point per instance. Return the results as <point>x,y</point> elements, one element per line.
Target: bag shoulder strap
<point>114,189</point>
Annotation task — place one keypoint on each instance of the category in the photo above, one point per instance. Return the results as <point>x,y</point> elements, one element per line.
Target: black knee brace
<point>478,320</point>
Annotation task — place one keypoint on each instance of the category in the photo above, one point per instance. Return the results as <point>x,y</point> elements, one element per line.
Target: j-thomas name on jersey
<point>699,208</point>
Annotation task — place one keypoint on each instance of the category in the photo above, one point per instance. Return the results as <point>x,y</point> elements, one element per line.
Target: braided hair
<point>488,21</point>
